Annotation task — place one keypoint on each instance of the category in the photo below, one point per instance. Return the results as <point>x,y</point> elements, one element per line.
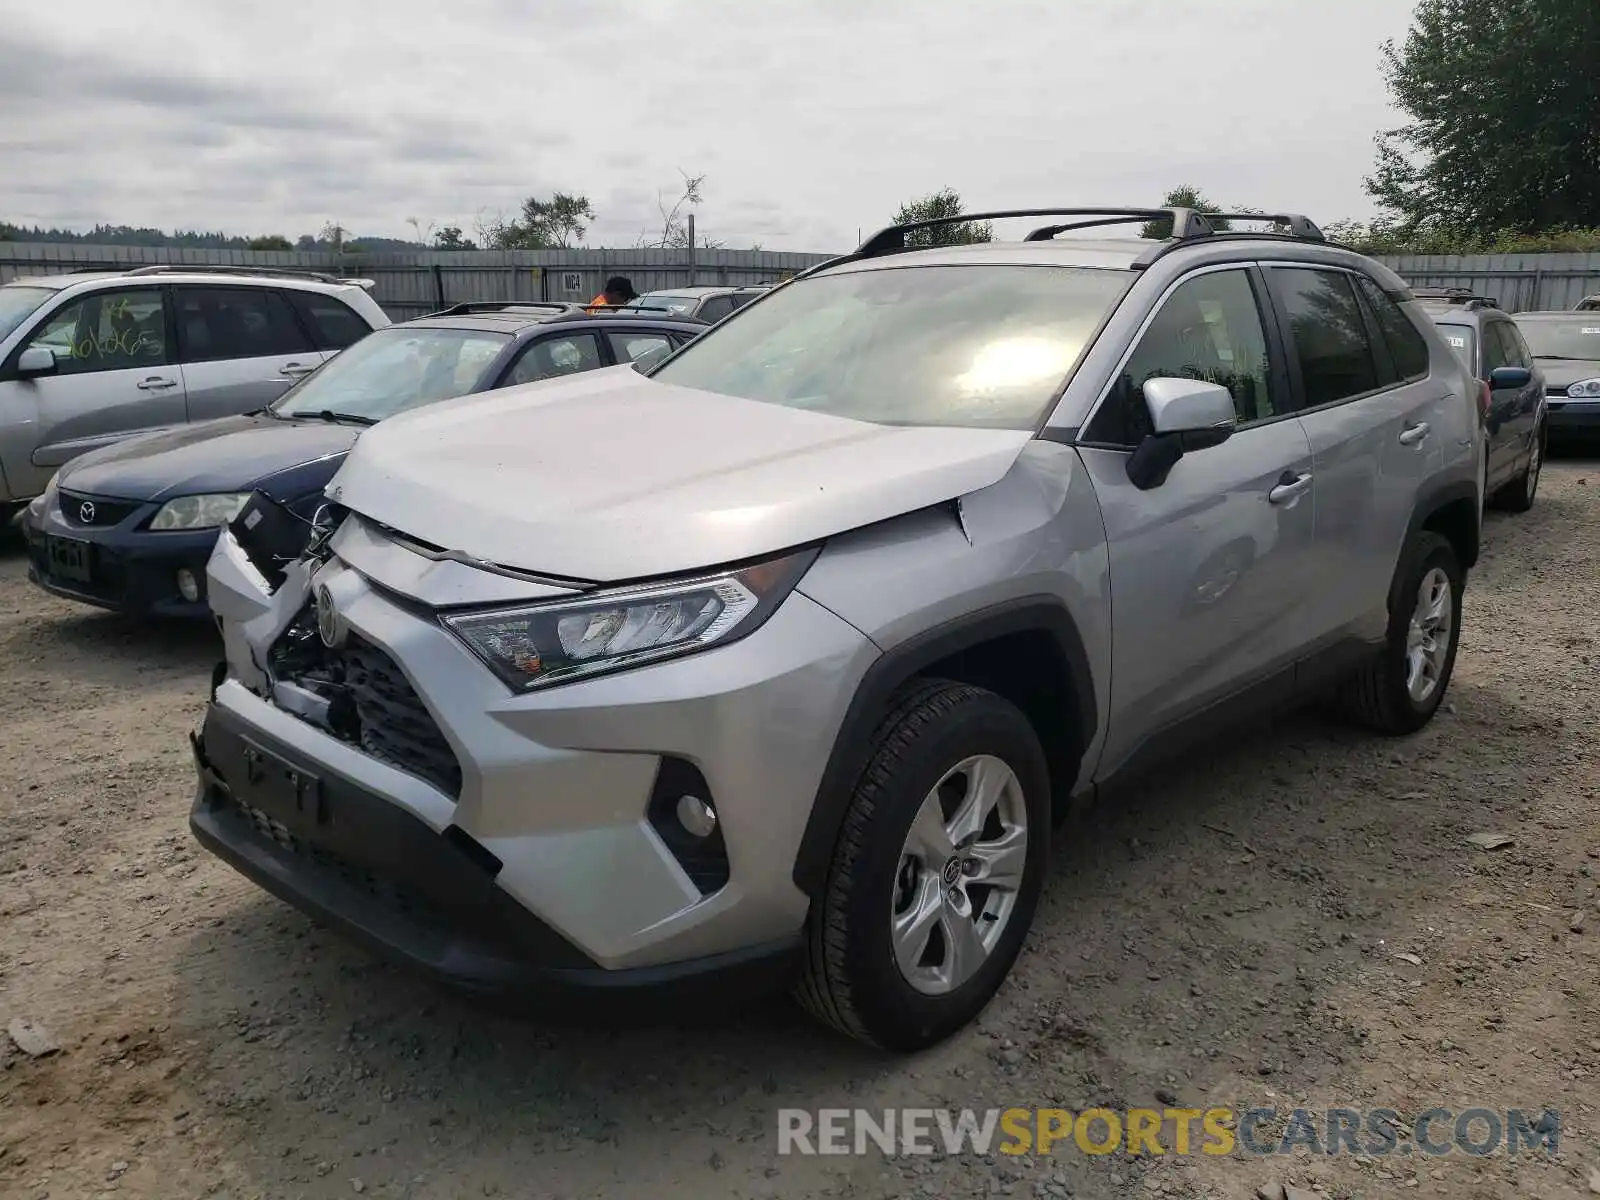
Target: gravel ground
<point>1233,934</point>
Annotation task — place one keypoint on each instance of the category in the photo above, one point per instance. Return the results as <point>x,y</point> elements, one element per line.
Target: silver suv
<point>91,358</point>
<point>776,663</point>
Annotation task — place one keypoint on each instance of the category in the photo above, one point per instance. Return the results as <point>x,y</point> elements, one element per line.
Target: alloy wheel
<point>1428,638</point>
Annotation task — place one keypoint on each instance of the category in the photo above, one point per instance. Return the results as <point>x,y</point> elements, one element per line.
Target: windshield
<point>391,370</point>
<point>984,346</point>
<point>1462,342</point>
<point>1562,337</point>
<point>17,302</point>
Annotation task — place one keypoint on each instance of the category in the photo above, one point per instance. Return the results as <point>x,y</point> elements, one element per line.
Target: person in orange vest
<point>618,291</point>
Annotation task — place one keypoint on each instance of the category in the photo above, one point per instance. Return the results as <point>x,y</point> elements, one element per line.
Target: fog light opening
<point>188,585</point>
<point>697,816</point>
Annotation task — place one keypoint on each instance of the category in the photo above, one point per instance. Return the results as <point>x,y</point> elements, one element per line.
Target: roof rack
<point>468,307</point>
<point>1465,297</point>
<point>268,272</point>
<point>1188,225</point>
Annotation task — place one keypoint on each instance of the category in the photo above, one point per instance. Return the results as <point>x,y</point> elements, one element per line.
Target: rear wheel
<point>936,873</point>
<point>1401,689</point>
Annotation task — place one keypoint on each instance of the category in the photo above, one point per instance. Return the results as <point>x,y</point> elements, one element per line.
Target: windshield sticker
<point>1457,342</point>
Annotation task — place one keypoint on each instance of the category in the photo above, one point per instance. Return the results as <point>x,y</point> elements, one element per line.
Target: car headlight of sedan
<point>199,512</point>
<point>1587,389</point>
<point>538,645</point>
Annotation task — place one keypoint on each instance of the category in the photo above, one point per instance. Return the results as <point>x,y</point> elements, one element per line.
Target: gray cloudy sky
<point>810,118</point>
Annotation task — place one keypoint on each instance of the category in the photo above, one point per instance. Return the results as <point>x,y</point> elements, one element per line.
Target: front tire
<point>1518,495</point>
<point>936,873</point>
<point>1401,689</point>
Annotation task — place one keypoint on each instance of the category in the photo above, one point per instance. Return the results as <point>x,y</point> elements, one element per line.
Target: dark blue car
<point>130,526</point>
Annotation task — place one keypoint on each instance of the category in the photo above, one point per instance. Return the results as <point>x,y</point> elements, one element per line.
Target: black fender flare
<point>852,745</point>
<point>1431,502</point>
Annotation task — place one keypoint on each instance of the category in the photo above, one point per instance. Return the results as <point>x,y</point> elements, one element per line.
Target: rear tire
<point>1400,690</point>
<point>1518,495</point>
<point>901,952</point>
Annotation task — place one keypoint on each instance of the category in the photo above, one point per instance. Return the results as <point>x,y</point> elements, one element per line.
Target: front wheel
<point>1401,689</point>
<point>1517,496</point>
<point>936,873</point>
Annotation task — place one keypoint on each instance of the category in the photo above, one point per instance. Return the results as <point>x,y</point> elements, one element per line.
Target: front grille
<point>95,511</point>
<point>371,702</point>
<point>396,727</point>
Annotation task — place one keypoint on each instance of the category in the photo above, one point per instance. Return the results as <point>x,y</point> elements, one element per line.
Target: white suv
<point>94,357</point>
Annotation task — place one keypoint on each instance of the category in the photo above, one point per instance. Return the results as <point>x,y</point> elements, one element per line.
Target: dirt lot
<point>1231,936</point>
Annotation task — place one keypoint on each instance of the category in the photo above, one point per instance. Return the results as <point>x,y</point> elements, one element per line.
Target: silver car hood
<point>610,476</point>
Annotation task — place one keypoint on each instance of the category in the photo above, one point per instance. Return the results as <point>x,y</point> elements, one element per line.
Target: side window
<point>631,347</point>
<point>107,331</point>
<point>1327,332</point>
<point>222,323</point>
<point>1496,350</point>
<point>1407,347</point>
<point>1515,351</point>
<point>716,308</point>
<point>332,322</point>
<point>564,354</point>
<point>1209,328</point>
<point>740,299</point>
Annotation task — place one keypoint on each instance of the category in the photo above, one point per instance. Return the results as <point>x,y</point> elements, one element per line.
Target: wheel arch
<point>1452,511</point>
<point>1029,651</point>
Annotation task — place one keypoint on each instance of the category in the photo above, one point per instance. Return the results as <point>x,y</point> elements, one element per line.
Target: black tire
<point>851,980</point>
<point>1376,696</point>
<point>1518,495</point>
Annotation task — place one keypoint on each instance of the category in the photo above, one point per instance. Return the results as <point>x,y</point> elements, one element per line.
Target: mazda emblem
<point>330,625</point>
<point>86,512</point>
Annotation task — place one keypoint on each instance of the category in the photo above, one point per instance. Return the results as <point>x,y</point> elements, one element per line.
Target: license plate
<point>284,792</point>
<point>70,559</point>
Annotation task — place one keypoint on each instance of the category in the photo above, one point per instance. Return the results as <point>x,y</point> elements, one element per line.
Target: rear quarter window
<point>332,322</point>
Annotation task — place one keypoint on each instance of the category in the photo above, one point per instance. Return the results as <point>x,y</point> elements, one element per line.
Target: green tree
<point>946,202</point>
<point>556,223</point>
<point>1183,196</point>
<point>1504,101</point>
<point>451,238</point>
<point>271,241</point>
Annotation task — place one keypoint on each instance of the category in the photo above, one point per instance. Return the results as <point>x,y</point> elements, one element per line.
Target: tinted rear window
<point>332,322</point>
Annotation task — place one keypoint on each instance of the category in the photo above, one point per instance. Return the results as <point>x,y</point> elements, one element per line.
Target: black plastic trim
<point>853,744</point>
<point>1433,501</point>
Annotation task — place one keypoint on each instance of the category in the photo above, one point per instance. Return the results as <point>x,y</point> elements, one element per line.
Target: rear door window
<point>216,324</point>
<point>1407,346</point>
<point>1327,334</point>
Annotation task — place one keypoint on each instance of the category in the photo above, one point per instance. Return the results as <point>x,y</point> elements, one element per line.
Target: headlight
<point>1588,389</point>
<point>199,512</point>
<point>544,644</point>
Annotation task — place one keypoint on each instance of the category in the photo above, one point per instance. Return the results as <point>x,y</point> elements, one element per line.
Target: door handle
<point>1289,486</point>
<point>294,370</point>
<point>1412,434</point>
<point>156,384</point>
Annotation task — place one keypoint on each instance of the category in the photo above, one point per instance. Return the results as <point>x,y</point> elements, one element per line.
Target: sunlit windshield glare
<point>16,303</point>
<point>1577,336</point>
<point>394,369</point>
<point>949,345</point>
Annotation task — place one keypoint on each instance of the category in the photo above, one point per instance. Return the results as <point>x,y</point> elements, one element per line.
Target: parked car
<point>91,358</point>
<point>1512,390</point>
<point>1587,304</point>
<point>130,526</point>
<point>774,664</point>
<point>707,303</point>
<point>1566,347</point>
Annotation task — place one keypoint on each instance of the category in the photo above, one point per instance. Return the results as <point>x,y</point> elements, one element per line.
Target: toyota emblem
<point>331,627</point>
<point>86,512</point>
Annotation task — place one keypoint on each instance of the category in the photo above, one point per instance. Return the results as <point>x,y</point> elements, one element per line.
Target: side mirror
<point>1510,377</point>
<point>36,360</point>
<point>1187,414</point>
<point>650,358</point>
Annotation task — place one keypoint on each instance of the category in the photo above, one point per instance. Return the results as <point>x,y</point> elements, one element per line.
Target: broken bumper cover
<point>427,901</point>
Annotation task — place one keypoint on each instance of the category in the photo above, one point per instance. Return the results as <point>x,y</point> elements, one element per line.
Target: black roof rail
<point>468,307</point>
<point>1465,297</point>
<point>268,272</point>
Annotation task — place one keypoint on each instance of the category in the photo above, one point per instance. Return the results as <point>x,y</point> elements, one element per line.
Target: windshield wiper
<point>339,418</point>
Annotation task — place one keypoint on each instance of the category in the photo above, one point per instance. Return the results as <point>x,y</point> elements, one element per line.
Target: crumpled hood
<point>611,476</point>
<point>231,454</point>
<point>1562,374</point>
